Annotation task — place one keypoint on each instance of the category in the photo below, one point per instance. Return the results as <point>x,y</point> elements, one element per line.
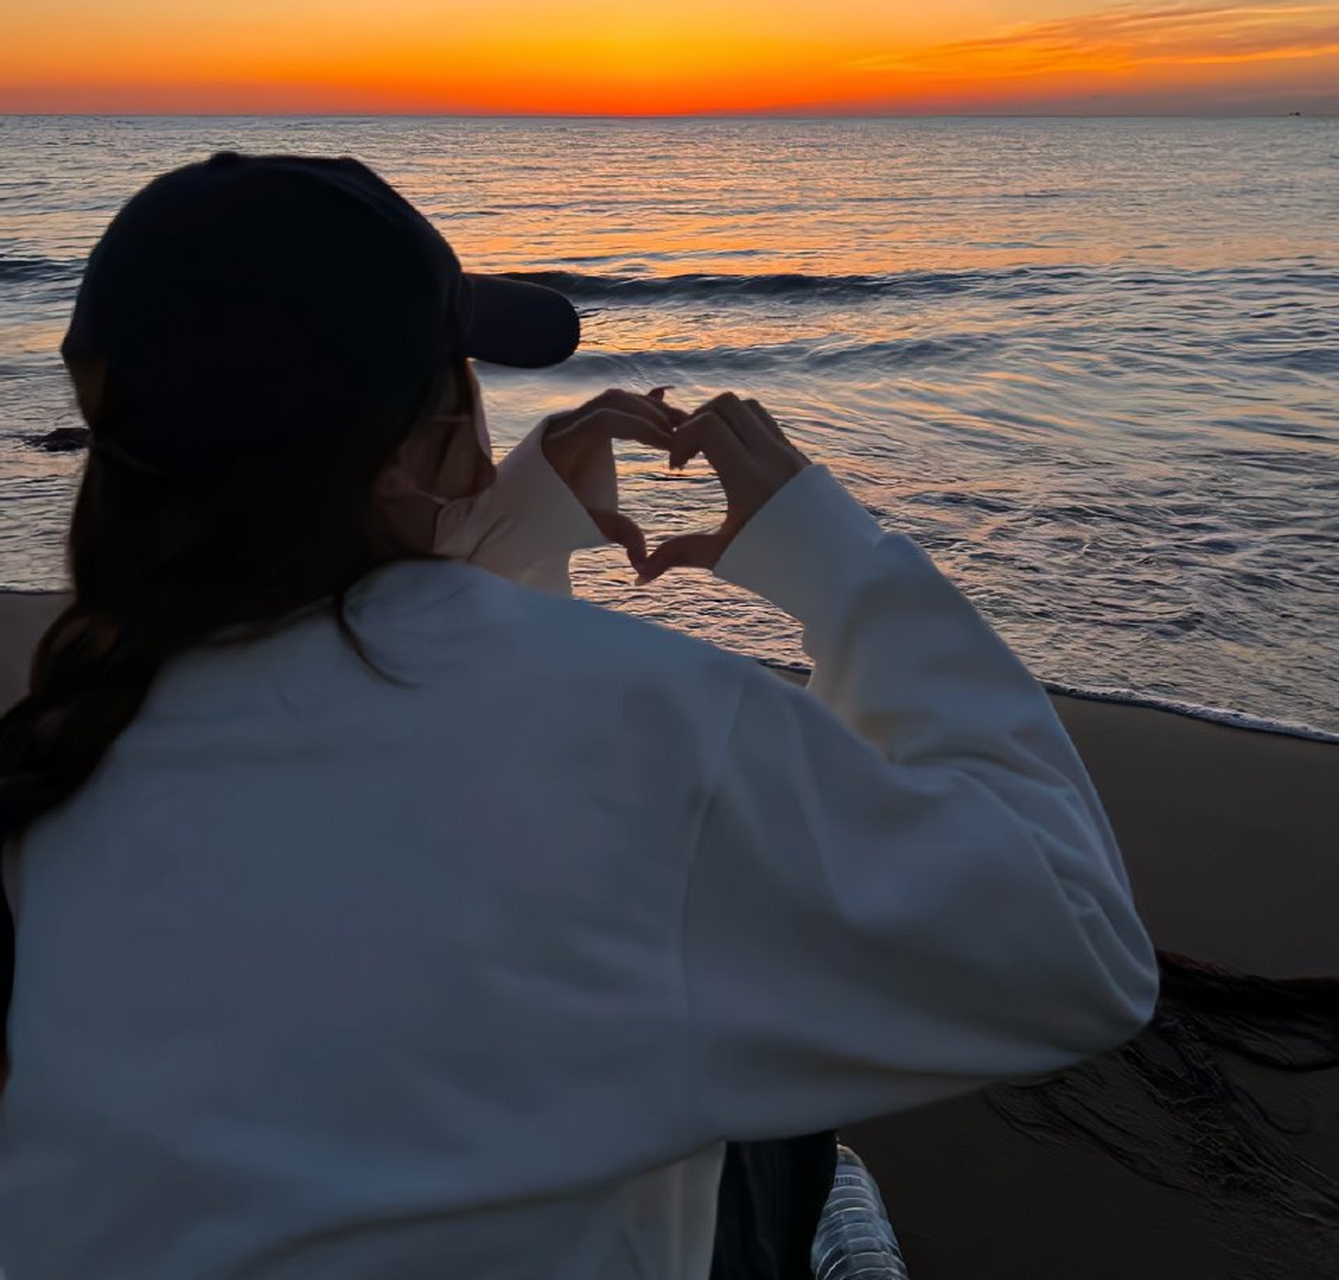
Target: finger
<point>674,413</point>
<point>685,551</point>
<point>776,429</point>
<point>765,418</point>
<point>651,407</point>
<point>614,424</point>
<point>742,420</point>
<point>710,435</point>
<point>614,398</point>
<point>621,529</point>
<point>621,402</point>
<point>755,426</point>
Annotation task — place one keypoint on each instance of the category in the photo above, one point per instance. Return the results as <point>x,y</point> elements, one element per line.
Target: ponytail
<point>158,568</point>
<point>89,679</point>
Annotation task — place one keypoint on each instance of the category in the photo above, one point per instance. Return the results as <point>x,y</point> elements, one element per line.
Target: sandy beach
<point>1183,1156</point>
<point>1109,1171</point>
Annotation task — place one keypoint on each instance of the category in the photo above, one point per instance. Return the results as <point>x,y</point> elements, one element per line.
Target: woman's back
<point>329,975</point>
<point>430,967</point>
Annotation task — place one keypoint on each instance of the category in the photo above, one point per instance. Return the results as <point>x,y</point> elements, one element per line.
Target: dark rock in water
<point>61,440</point>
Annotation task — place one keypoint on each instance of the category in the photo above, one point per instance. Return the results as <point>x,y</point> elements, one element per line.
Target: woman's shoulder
<point>432,604</point>
<point>470,643</point>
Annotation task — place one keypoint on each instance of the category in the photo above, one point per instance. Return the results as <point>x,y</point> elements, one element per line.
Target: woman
<point>380,910</point>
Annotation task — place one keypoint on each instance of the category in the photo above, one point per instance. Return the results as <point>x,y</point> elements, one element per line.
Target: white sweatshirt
<point>325,977</point>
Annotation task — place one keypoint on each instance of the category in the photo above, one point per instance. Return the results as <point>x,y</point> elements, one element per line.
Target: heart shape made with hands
<point>743,443</point>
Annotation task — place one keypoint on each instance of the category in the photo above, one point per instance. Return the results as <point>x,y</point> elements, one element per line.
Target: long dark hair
<point>158,566</point>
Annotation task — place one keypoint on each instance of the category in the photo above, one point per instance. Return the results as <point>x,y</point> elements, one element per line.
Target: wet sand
<point>1207,1148</point>
<point>1172,1159</point>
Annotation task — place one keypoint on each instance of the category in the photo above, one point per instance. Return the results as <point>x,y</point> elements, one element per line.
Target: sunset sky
<point>673,57</point>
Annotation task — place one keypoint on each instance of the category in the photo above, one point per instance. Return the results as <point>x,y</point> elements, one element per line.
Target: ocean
<point>1092,366</point>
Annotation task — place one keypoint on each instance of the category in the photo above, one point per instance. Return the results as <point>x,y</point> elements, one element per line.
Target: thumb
<point>686,551</point>
<point>621,529</point>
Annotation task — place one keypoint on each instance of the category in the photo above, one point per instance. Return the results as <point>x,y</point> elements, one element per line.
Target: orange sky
<point>675,56</point>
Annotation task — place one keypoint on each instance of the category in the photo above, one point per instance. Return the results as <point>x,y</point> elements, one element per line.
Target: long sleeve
<point>904,885</point>
<point>529,522</point>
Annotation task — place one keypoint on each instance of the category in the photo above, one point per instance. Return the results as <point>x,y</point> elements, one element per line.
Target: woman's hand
<point>753,459</point>
<point>579,447</point>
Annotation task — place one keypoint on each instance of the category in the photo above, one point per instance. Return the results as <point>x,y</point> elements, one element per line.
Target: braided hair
<point>160,564</point>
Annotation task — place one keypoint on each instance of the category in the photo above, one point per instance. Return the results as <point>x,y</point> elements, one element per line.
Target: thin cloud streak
<point>1128,38</point>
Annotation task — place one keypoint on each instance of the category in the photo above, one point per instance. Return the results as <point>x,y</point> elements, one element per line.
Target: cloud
<point>1130,37</point>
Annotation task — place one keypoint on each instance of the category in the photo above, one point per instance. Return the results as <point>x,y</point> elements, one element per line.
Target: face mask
<point>420,518</point>
<point>462,524</point>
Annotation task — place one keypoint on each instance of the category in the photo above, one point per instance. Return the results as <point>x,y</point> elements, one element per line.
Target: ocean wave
<point>17,269</point>
<point>1015,282</point>
<point>1131,698</point>
<point>583,287</point>
<point>1301,358</point>
<point>797,355</point>
<point>1215,715</point>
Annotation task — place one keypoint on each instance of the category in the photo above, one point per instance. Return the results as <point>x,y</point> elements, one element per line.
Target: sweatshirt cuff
<point>533,491</point>
<point>532,516</point>
<point>803,545</point>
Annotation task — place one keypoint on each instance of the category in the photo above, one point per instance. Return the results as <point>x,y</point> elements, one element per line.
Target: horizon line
<point>1324,113</point>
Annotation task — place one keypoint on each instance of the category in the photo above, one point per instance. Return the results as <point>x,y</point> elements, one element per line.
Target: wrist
<point>800,547</point>
<point>532,513</point>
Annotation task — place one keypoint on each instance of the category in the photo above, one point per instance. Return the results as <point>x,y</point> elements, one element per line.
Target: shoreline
<point>1133,698</point>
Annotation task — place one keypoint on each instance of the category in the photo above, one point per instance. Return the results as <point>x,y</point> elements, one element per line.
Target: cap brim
<point>513,322</point>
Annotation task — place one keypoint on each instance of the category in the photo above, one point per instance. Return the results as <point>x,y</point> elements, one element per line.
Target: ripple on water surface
<point>1089,365</point>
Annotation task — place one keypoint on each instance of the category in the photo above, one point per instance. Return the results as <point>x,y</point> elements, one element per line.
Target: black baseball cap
<point>247,301</point>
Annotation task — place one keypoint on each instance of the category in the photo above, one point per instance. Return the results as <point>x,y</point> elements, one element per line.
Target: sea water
<point>1092,366</point>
